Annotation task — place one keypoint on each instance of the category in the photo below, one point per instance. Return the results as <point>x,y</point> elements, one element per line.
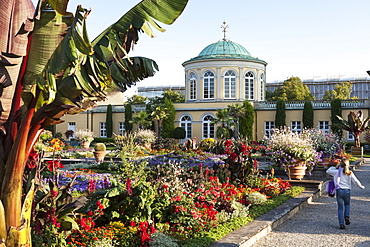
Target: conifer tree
<point>280,113</point>
<point>308,115</point>
<point>246,121</point>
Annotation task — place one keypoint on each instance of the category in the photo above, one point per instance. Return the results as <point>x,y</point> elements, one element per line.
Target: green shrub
<point>100,147</point>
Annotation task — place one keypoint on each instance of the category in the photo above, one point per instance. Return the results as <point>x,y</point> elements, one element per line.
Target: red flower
<point>54,164</point>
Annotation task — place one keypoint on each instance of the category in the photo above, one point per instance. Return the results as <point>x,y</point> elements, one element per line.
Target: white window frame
<point>193,86</point>
<point>296,126</point>
<point>269,128</point>
<point>230,85</point>
<point>249,85</point>
<point>324,127</point>
<point>72,126</point>
<point>209,85</point>
<point>185,122</point>
<point>262,86</point>
<point>103,129</point>
<point>121,128</point>
<point>208,129</point>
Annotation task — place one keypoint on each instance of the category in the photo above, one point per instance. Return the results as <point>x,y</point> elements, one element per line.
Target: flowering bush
<point>84,135</point>
<point>287,147</point>
<point>145,136</point>
<point>327,144</point>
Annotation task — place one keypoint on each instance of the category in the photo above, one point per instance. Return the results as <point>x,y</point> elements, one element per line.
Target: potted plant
<point>355,125</point>
<point>99,152</point>
<point>85,137</point>
<point>292,151</point>
<point>327,144</point>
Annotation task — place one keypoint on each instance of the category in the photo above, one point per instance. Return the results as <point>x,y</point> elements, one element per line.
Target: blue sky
<point>321,38</point>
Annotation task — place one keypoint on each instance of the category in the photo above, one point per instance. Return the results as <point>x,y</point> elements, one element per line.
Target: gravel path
<point>317,224</point>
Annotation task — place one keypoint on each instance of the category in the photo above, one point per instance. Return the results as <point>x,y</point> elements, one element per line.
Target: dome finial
<point>224,27</point>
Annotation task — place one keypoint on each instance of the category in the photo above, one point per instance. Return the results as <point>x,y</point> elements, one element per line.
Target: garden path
<point>317,225</point>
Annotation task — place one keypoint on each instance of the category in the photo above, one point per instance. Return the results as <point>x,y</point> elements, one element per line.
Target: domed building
<point>224,73</point>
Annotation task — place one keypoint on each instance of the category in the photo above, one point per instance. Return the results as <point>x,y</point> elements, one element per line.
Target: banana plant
<point>355,125</point>
<point>49,68</point>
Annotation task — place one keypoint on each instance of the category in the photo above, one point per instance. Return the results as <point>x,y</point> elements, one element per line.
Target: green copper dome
<point>224,49</point>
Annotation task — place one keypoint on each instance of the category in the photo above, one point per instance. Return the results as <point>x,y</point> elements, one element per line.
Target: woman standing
<point>343,192</point>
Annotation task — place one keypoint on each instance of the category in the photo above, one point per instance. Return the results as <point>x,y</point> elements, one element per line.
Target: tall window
<point>262,86</point>
<point>121,128</point>
<point>351,137</point>
<point>72,126</point>
<point>103,129</point>
<point>269,126</point>
<point>208,128</point>
<point>185,122</point>
<point>324,127</point>
<point>193,86</point>
<point>229,81</point>
<point>249,86</point>
<point>296,126</point>
<point>209,85</point>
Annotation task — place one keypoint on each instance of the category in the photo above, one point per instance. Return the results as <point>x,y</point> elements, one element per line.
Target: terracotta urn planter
<point>297,172</point>
<point>85,144</point>
<point>99,156</point>
<point>324,162</point>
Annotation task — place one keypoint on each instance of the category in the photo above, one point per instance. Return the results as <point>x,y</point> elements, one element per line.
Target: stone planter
<point>99,156</point>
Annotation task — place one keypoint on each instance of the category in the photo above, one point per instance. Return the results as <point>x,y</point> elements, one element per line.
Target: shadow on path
<point>317,224</point>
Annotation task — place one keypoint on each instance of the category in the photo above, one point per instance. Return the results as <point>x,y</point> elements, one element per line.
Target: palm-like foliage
<point>355,124</point>
<point>236,111</point>
<point>224,122</point>
<point>159,114</point>
<point>62,72</point>
<point>141,119</point>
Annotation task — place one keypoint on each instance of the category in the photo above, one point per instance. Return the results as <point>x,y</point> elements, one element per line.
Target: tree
<point>355,125</point>
<point>236,111</point>
<point>341,91</point>
<point>168,124</point>
<point>336,110</point>
<point>128,117</point>
<point>137,100</point>
<point>280,113</point>
<point>174,96</point>
<point>58,72</point>
<point>160,113</point>
<point>224,122</point>
<point>109,121</point>
<point>141,119</point>
<point>307,116</point>
<point>246,121</point>
<point>293,89</point>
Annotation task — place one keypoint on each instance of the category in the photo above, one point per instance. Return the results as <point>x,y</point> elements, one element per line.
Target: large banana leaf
<point>79,73</point>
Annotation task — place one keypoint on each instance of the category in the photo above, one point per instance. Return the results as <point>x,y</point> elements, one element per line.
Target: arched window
<point>208,127</point>
<point>185,122</point>
<point>229,82</point>
<point>193,86</point>
<point>209,85</point>
<point>249,86</point>
<point>262,86</point>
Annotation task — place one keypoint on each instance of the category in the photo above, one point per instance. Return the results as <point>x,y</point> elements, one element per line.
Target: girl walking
<point>345,176</point>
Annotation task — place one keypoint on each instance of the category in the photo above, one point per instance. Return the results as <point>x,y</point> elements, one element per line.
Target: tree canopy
<point>291,90</point>
<point>341,91</point>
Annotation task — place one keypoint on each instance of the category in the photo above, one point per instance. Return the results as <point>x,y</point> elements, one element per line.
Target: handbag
<point>331,187</point>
